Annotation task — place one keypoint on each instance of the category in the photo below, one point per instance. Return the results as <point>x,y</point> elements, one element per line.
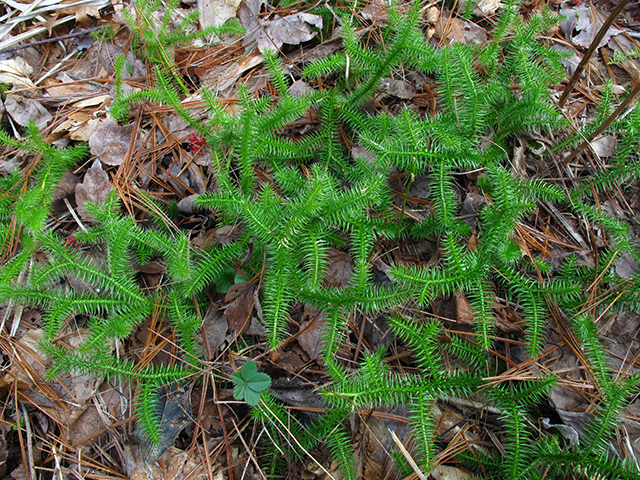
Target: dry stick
<point>407,456</point>
<point>27,426</point>
<point>23,449</point>
<point>79,33</point>
<point>251,456</point>
<point>604,125</point>
<point>592,48</point>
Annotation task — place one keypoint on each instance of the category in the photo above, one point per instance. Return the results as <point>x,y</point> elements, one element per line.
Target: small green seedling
<point>249,383</point>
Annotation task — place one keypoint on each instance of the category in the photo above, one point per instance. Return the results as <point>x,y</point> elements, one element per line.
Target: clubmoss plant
<point>314,196</point>
<point>158,27</point>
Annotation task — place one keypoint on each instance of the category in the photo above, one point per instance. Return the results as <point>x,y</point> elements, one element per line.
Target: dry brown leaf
<point>205,239</point>
<point>240,303</point>
<point>228,233</point>
<point>445,472</point>
<point>604,146</point>
<point>209,419</point>
<point>581,24</point>
<point>299,88</point>
<point>248,14</point>
<point>215,327</point>
<point>452,31</point>
<point>326,48</point>
<point>99,58</point>
<point>72,120</point>
<point>66,186</point>
<point>626,266</point>
<point>474,33</point>
<point>398,88</point>
<point>4,455</point>
<point>292,30</point>
<point>87,425</point>
<point>376,12</point>
<point>311,332</point>
<point>153,274</point>
<point>83,131</point>
<point>23,110</point>
<point>457,30</point>
<point>487,7</point>
<point>63,401</point>
<point>110,142</point>
<point>187,204</point>
<point>340,268</point>
<point>152,268</point>
<point>173,409</point>
<point>373,457</point>
<point>16,71</point>
<point>177,178</point>
<point>223,77</point>
<point>464,314</point>
<point>31,363</point>
<point>196,176</point>
<point>174,464</point>
<point>431,15</point>
<point>448,422</point>
<point>8,166</point>
<point>92,101</point>
<point>80,125</point>
<point>508,320</point>
<point>20,473</point>
<point>221,235</point>
<point>625,44</point>
<point>94,188</point>
<point>83,10</point>
<point>270,35</point>
<point>216,12</point>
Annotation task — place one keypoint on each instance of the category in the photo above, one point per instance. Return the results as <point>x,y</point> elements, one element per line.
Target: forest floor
<point>57,70</point>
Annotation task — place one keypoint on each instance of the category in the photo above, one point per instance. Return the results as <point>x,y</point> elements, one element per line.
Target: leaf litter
<point>272,30</point>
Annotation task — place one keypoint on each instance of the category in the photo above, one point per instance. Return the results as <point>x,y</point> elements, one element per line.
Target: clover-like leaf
<point>249,383</point>
<point>251,397</point>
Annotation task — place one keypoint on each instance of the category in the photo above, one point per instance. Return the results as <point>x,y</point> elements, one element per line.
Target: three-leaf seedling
<point>249,383</point>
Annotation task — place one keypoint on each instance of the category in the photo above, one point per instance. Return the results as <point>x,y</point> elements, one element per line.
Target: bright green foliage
<point>298,199</point>
<point>112,300</point>
<point>518,461</point>
<point>157,26</point>
<point>615,394</point>
<point>249,383</point>
<point>31,205</point>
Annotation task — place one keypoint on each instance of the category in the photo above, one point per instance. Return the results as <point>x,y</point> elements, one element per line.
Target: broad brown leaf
<point>240,305</point>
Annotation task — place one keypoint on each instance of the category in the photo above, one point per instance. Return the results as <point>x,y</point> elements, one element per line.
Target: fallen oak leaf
<point>23,110</point>
<point>94,188</point>
<point>270,35</point>
<point>110,142</point>
<point>240,305</point>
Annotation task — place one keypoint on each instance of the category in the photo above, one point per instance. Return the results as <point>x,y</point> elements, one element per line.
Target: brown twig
<point>604,125</point>
<point>79,33</point>
<point>592,48</point>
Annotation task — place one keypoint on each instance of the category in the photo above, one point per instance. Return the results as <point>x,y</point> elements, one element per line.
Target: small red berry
<point>71,241</point>
<point>196,143</point>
